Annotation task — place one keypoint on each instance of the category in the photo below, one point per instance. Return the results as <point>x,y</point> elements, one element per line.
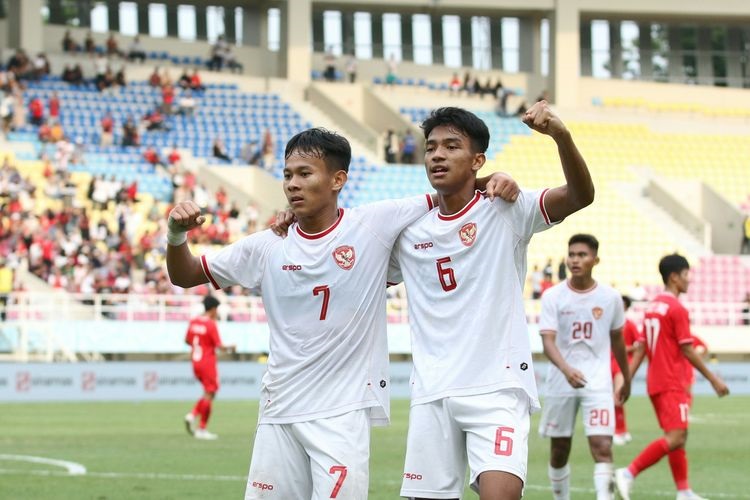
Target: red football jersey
<point>666,325</point>
<point>203,337</point>
<point>700,348</point>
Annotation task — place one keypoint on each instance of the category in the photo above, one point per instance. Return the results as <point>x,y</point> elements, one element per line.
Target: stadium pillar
<point>376,27</point>
<point>675,71</point>
<point>530,45</point>
<point>407,38</point>
<point>25,25</point>
<point>645,51</point>
<point>467,46</point>
<point>172,30</point>
<point>254,27</point>
<point>615,49</point>
<point>230,26</point>
<point>84,13</point>
<point>113,15</point>
<point>733,56</point>
<point>586,55</point>
<point>496,43</point>
<point>56,15</point>
<point>705,56</point>
<point>295,31</point>
<point>143,27</point>
<point>347,31</point>
<point>201,24</point>
<point>565,55</point>
<point>319,38</point>
<point>436,27</point>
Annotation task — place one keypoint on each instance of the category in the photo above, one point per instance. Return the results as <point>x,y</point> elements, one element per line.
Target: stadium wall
<point>31,382</point>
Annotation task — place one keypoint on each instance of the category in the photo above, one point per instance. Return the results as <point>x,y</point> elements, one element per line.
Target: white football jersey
<point>582,322</point>
<point>324,296</point>
<point>464,277</point>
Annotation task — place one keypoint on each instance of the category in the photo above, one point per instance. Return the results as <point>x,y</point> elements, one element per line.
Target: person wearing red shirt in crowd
<point>107,125</point>
<point>667,341</point>
<point>174,156</point>
<point>195,81</point>
<point>203,338</point>
<point>151,156</point>
<point>54,106</point>
<point>36,110</point>
<point>167,96</point>
<point>629,335</point>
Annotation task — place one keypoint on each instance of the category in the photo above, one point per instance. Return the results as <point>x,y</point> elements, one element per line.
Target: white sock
<point>603,480</point>
<point>560,481</point>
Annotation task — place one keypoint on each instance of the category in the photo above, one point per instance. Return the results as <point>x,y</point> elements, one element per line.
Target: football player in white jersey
<point>464,266</point>
<point>323,288</point>
<point>581,327</point>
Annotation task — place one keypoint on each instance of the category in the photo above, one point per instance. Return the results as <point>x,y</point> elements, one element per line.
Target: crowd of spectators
<point>399,148</point>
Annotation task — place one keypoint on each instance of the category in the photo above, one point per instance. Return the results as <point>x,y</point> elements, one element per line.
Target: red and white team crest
<point>468,233</point>
<point>344,257</point>
<point>597,312</point>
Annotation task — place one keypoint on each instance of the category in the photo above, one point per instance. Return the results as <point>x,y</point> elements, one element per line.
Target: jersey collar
<point>315,236</point>
<point>463,211</point>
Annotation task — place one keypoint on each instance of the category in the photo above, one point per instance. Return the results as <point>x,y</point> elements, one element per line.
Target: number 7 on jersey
<point>326,295</point>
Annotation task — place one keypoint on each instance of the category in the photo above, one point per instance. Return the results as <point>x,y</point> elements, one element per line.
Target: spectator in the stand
<point>154,79</point>
<point>184,80</point>
<point>56,132</point>
<point>120,79</point>
<point>455,84</point>
<point>74,75</point>
<point>19,110</point>
<point>174,156</point>
<point>68,44</point>
<point>36,111</point>
<point>6,112</point>
<point>330,61</point>
<point>196,84</point>
<point>154,120</point>
<point>251,153</point>
<point>107,125</point>
<point>53,104</point>
<point>391,74</point>
<point>45,132</point>
<point>100,68</point>
<point>408,148</point>
<point>20,66</point>
<point>186,103</point>
<point>88,43</point>
<point>218,51</point>
<point>231,61</point>
<point>113,49</point>
<point>136,51</point>
<point>391,145</point>
<point>152,156</point>
<point>267,161</point>
<point>562,271</point>
<point>351,68</point>
<point>129,133</point>
<point>746,310</point>
<point>41,66</point>
<point>546,282</point>
<point>219,150</point>
<point>7,275</point>
<point>167,98</point>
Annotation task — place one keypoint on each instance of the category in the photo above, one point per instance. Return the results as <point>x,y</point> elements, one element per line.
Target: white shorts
<point>320,459</point>
<point>487,432</point>
<point>559,415</point>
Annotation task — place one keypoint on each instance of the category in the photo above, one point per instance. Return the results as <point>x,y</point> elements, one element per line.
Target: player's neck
<point>320,221</point>
<point>582,283</point>
<point>672,290</point>
<point>452,203</point>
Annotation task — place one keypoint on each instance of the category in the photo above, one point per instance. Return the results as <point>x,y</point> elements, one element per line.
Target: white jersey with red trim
<point>582,322</point>
<point>324,296</point>
<point>464,277</point>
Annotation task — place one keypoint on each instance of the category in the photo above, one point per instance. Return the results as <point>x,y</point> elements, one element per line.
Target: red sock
<point>649,456</point>
<point>620,426</point>
<point>679,465</point>
<point>206,413</point>
<point>198,408</point>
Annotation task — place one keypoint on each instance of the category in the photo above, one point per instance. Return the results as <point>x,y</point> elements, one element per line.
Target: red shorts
<point>206,374</point>
<point>672,408</point>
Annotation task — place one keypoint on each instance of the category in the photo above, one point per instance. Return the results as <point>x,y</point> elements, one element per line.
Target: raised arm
<point>184,268</point>
<point>578,191</point>
<point>617,345</point>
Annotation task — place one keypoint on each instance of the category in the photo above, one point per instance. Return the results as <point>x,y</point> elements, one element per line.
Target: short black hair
<point>210,302</point>
<point>330,147</point>
<point>627,301</point>
<point>464,121</point>
<point>587,239</point>
<point>669,264</point>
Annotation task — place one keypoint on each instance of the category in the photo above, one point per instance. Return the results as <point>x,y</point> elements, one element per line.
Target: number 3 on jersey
<point>446,275</point>
<point>326,295</point>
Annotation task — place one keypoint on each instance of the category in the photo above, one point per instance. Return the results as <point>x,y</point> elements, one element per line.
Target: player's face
<point>309,185</point>
<point>581,260</point>
<point>450,160</point>
<point>683,280</point>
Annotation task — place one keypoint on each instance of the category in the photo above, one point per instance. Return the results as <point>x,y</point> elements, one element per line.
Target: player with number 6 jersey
<point>464,267</point>
<point>581,327</point>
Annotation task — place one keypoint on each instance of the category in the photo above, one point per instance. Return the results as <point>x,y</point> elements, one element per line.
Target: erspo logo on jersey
<point>344,257</point>
<point>291,267</point>
<point>468,233</point>
<point>412,476</point>
<point>262,486</point>
<point>423,246</point>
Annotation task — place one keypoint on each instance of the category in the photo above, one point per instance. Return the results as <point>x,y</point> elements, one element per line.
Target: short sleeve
<point>618,318</point>
<point>548,318</point>
<point>388,218</point>
<point>394,276</point>
<point>241,263</point>
<point>528,214</point>
<point>681,322</point>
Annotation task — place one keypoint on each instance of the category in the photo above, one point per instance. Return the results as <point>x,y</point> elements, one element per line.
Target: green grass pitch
<point>141,450</point>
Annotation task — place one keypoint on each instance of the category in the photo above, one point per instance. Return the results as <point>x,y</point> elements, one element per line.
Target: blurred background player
<point>203,338</point>
<point>470,247</point>
<point>667,340</point>
<point>629,335</point>
<point>581,324</point>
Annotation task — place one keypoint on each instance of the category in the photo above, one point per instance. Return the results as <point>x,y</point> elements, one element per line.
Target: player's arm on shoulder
<point>618,350</point>
<point>499,184</point>
<point>719,386</point>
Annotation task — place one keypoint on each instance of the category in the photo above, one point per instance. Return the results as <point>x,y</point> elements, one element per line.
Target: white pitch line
<point>73,468</point>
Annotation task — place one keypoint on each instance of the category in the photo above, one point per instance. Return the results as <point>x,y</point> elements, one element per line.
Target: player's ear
<point>596,260</point>
<point>338,180</point>
<point>478,163</point>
